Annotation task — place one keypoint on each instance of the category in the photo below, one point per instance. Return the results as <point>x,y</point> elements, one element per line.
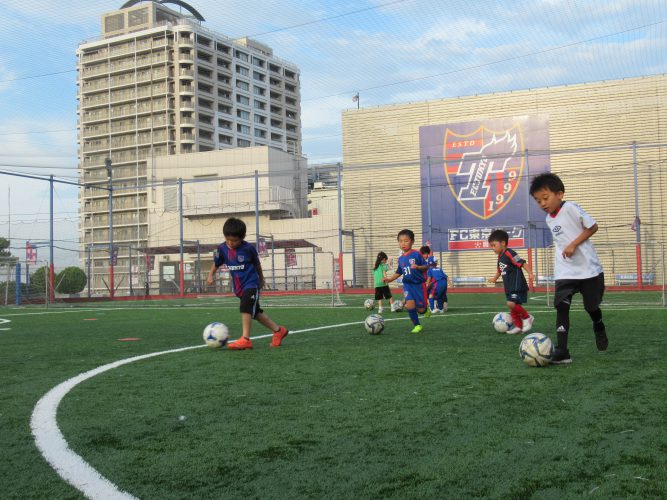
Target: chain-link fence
<point>165,232</point>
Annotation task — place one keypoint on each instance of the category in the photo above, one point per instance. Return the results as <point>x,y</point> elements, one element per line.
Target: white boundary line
<point>72,467</point>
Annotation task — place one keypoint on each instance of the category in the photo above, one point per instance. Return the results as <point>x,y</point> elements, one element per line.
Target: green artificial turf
<point>338,413</point>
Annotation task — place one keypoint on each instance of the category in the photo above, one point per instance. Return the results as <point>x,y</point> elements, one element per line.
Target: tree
<point>39,278</point>
<point>5,254</point>
<point>71,280</point>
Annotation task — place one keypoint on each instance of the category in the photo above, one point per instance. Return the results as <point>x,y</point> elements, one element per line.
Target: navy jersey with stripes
<point>510,267</point>
<point>242,264</point>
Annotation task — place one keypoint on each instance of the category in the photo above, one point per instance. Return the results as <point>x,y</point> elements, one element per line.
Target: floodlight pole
<point>257,210</point>
<point>340,229</point>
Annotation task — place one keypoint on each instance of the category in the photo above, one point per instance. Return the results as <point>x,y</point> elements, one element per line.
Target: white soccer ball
<point>536,349</point>
<point>397,306</point>
<point>374,324</point>
<point>369,304</point>
<point>216,335</point>
<point>502,322</point>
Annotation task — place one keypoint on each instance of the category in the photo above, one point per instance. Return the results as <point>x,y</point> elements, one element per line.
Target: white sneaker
<point>380,310</point>
<point>514,331</point>
<point>528,323</point>
<point>436,311</point>
<point>444,307</point>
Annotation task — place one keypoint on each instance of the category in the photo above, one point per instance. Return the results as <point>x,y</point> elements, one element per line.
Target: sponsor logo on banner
<point>290,257</point>
<point>483,168</point>
<point>476,238</point>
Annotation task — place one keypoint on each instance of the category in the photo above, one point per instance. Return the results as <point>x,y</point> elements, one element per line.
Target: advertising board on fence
<point>475,178</point>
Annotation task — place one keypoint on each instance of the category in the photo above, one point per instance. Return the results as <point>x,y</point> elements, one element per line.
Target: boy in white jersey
<point>577,267</point>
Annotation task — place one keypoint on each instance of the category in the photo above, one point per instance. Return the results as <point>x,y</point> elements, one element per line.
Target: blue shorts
<point>416,292</point>
<point>520,297</point>
<point>439,291</point>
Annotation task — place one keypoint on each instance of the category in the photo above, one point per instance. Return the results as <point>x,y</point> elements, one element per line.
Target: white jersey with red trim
<point>566,226</point>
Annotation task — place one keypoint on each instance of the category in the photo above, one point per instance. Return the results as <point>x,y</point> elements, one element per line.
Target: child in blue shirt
<point>412,266</point>
<point>242,260</point>
<point>436,282</point>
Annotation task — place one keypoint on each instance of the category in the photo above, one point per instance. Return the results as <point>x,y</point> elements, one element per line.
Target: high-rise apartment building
<point>159,83</point>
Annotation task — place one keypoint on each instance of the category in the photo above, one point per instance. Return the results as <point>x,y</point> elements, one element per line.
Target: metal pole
<point>354,260</point>
<point>112,288</point>
<point>17,293</point>
<point>257,210</point>
<point>428,199</point>
<point>129,258</point>
<point>637,224</point>
<point>340,211</point>
<point>314,270</point>
<point>527,228</point>
<point>181,281</point>
<point>273,265</point>
<point>88,266</point>
<point>51,267</point>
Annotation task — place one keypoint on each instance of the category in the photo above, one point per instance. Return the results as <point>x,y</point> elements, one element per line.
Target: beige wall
<point>381,201</point>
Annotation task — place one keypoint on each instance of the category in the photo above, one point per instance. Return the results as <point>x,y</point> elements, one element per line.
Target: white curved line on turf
<point>74,469</point>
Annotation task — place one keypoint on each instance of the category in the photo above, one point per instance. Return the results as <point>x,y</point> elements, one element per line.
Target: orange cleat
<point>240,344</point>
<point>279,336</point>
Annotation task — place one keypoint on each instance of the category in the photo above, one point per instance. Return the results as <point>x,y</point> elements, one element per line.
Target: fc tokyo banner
<point>475,178</point>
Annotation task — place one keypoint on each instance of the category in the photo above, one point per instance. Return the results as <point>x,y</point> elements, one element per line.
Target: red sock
<point>516,318</point>
<point>522,312</point>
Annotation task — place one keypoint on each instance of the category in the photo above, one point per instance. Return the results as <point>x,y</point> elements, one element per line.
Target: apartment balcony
<point>186,73</point>
<point>187,89</point>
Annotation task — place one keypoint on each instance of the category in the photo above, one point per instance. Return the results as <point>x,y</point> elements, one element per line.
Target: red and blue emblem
<point>483,168</point>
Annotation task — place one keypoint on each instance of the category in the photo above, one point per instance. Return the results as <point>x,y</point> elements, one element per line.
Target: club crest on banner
<point>483,168</point>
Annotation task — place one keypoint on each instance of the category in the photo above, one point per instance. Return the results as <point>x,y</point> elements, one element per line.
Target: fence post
<point>257,210</point>
<point>17,293</point>
<point>181,279</point>
<point>112,288</point>
<point>273,264</point>
<point>340,225</point>
<point>88,266</point>
<point>428,199</point>
<point>637,223</point>
<point>51,268</point>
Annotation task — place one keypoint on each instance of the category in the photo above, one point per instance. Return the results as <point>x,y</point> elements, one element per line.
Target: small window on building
<point>114,23</point>
<point>137,17</point>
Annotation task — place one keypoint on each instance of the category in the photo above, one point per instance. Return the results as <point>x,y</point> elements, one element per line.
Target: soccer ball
<point>502,322</point>
<point>369,304</point>
<point>216,335</point>
<point>536,349</point>
<point>397,306</point>
<point>374,324</point>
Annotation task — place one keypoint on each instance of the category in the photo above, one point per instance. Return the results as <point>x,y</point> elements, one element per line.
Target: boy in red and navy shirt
<point>510,267</point>
<point>242,261</point>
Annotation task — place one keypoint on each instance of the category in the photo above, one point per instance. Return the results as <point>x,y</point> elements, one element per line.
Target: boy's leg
<point>592,291</point>
<point>565,289</point>
<point>516,318</point>
<point>244,341</point>
<point>279,332</point>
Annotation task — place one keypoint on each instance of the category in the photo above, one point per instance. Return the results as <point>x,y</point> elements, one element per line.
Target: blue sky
<point>436,48</point>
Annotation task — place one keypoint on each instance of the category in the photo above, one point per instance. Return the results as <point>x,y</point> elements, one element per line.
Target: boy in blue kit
<point>245,269</point>
<point>510,267</point>
<point>436,282</point>
<point>412,266</point>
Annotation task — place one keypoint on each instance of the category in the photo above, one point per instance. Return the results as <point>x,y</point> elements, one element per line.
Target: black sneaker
<point>601,340</point>
<point>561,357</point>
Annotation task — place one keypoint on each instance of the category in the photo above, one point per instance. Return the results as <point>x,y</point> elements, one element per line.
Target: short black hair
<point>499,235</point>
<point>549,181</point>
<point>234,227</point>
<point>425,249</point>
<point>406,232</point>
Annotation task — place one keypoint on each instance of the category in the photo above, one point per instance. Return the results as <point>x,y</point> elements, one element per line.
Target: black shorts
<point>517,296</point>
<point>250,302</point>
<point>591,289</point>
<point>382,292</point>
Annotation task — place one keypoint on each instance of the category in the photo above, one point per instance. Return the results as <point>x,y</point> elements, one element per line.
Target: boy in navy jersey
<point>436,284</point>
<point>510,267</point>
<point>242,260</point>
<point>412,266</point>
<point>577,267</point>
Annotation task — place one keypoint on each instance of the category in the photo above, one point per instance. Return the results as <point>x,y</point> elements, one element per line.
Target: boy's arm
<point>391,278</point>
<point>260,274</point>
<point>211,274</point>
<point>583,236</point>
<point>495,277</point>
<point>531,277</point>
<point>428,282</point>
